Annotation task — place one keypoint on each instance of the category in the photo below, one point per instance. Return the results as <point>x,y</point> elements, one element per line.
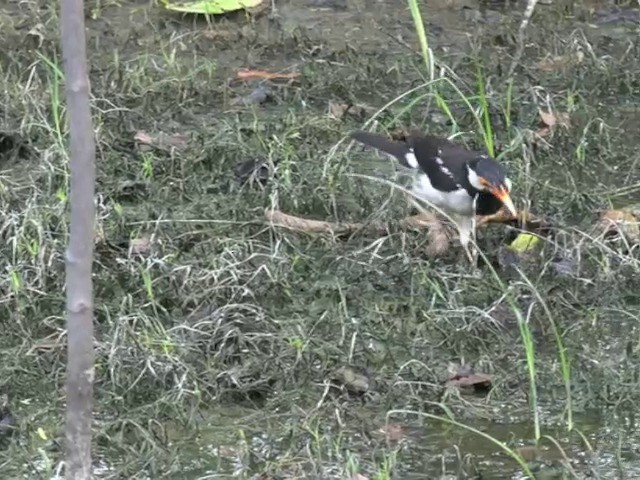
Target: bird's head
<point>487,175</point>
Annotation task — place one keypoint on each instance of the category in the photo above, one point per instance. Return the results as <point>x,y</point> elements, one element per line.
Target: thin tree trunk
<point>79,254</point>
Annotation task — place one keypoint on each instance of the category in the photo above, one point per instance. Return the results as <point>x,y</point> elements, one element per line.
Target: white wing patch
<point>508,184</point>
<point>411,159</point>
<point>446,171</point>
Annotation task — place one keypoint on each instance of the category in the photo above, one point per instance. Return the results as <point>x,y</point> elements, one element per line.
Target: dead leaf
<point>438,235</point>
<point>355,380</point>
<point>341,110</point>
<point>549,120</point>
<point>529,453</point>
<point>247,74</point>
<point>624,222</point>
<point>560,62</point>
<point>439,239</point>
<point>162,140</point>
<point>140,246</point>
<point>467,377</point>
<point>144,138</point>
<point>38,31</point>
<point>99,234</point>
<point>222,35</point>
<point>359,476</point>
<point>258,96</point>
<point>393,432</point>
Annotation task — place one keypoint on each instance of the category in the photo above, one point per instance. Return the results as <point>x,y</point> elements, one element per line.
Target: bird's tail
<point>399,150</point>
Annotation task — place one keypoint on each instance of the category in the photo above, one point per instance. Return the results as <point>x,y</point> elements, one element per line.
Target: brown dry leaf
<point>340,110</point>
<point>550,120</point>
<point>625,222</point>
<point>38,31</point>
<point>439,239</point>
<point>99,235</point>
<point>394,432</point>
<point>560,62</point>
<point>222,35</point>
<point>466,376</point>
<point>473,380</point>
<point>246,74</point>
<point>438,236</point>
<point>359,476</point>
<point>140,246</point>
<point>162,140</point>
<point>355,380</point>
<point>529,453</point>
<point>258,96</point>
<point>144,138</point>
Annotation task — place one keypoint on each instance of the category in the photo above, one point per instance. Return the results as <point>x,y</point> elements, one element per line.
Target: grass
<point>216,344</point>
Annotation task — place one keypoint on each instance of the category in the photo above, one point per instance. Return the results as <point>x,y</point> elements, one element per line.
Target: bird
<point>460,182</point>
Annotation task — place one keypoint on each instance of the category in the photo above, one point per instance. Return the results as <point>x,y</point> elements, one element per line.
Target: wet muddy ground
<point>228,347</point>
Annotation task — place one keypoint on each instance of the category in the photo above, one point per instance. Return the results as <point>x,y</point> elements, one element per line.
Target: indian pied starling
<point>460,182</point>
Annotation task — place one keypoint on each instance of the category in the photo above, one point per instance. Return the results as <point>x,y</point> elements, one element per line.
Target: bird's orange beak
<point>502,194</point>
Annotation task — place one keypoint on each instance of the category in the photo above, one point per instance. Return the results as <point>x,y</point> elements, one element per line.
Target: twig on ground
<point>280,219</point>
<point>438,236</point>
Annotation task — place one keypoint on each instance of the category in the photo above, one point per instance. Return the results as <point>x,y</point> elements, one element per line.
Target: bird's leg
<point>466,228</point>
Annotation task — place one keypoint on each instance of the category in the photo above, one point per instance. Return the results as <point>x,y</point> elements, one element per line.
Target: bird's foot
<point>501,216</point>
<point>471,253</point>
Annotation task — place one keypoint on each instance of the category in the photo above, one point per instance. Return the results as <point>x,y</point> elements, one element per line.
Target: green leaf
<point>524,242</point>
<point>211,7</point>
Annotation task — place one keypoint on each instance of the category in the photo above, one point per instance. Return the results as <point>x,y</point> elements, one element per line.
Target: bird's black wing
<point>398,150</point>
<point>443,161</point>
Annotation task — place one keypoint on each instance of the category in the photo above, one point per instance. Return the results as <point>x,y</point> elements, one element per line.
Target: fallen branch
<point>419,221</point>
<point>438,237</point>
<point>299,224</point>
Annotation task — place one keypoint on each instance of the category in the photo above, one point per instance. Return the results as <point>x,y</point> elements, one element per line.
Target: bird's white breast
<point>457,201</point>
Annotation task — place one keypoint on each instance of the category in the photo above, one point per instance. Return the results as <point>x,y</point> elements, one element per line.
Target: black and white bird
<point>460,182</point>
